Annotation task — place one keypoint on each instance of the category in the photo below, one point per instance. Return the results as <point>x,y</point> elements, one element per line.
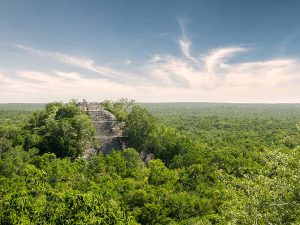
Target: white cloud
<point>215,78</point>
<point>127,62</point>
<point>35,86</point>
<point>84,63</point>
<point>164,77</point>
<point>185,49</point>
<point>184,42</point>
<point>218,57</point>
<point>69,76</point>
<point>155,58</point>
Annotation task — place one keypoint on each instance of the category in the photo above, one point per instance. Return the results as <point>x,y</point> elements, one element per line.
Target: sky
<point>150,51</point>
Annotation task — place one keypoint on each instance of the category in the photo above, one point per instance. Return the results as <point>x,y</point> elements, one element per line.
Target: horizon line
<point>167,102</point>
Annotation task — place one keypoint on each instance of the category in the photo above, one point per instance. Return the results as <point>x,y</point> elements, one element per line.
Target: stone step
<point>105,121</point>
<point>109,144</point>
<point>101,115</point>
<point>105,128</point>
<point>107,137</point>
<point>108,129</point>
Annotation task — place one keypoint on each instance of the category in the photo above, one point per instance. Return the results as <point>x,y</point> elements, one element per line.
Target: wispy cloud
<point>215,77</point>
<point>215,70</point>
<point>164,77</point>
<point>84,63</point>
<point>184,42</point>
<point>218,57</point>
<point>127,62</point>
<point>36,86</point>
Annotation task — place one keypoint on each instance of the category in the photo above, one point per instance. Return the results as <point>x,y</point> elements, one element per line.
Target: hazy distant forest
<point>214,164</point>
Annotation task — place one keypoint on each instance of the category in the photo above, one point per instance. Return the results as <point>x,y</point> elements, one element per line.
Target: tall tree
<point>61,129</point>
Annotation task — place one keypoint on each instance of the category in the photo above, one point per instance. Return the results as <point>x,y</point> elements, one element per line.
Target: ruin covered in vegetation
<point>109,131</point>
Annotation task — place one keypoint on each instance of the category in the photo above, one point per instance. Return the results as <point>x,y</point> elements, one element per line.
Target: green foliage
<point>159,174</point>
<point>134,166</point>
<point>146,134</point>
<point>139,126</point>
<point>119,108</point>
<point>60,128</point>
<point>166,142</point>
<point>214,164</point>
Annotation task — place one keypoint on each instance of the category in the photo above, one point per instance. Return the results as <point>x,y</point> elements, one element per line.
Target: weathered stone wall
<point>109,131</point>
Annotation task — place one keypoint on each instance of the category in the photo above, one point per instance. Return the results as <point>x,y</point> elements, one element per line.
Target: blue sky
<point>154,51</point>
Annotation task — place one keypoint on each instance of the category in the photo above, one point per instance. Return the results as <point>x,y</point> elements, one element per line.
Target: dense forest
<point>213,164</point>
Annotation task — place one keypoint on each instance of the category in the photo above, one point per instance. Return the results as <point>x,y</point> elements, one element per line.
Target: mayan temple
<point>109,131</point>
